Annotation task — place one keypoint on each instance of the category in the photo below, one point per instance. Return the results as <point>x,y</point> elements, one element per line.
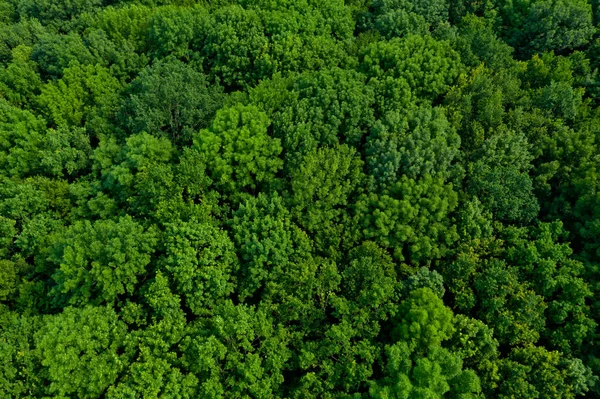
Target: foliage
<point>170,99</point>
<point>410,218</point>
<point>85,96</point>
<point>100,261</point>
<point>417,365</point>
<point>80,350</point>
<point>428,65</point>
<point>548,24</point>
<point>299,199</point>
<point>238,151</point>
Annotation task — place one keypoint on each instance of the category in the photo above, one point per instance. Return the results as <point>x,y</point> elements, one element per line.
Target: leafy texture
<point>297,199</point>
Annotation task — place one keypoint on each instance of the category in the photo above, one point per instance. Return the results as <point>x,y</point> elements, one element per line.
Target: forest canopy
<point>300,199</point>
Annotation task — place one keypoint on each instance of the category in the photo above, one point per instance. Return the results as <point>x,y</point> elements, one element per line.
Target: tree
<point>151,375</point>
<point>54,13</point>
<point>417,366</point>
<point>101,261</point>
<point>20,81</point>
<point>547,262</point>
<point>177,31</point>
<point>326,108</point>
<point>474,342</point>
<point>546,25</point>
<point>371,287</point>
<point>79,350</point>
<point>322,188</point>
<point>155,369</point>
<point>339,362</point>
<point>36,211</point>
<point>423,320</point>
<point>201,261</point>
<point>525,285</point>
<point>54,53</point>
<point>299,199</point>
<point>21,134</point>
<point>413,144</point>
<point>66,152</point>
<point>137,175</point>
<point>127,23</point>
<point>480,104</point>
<point>316,43</point>
<point>119,57</point>
<point>171,99</point>
<point>245,45</point>
<point>515,311</point>
<point>396,18</point>
<point>85,96</point>
<point>322,18</point>
<point>29,148</point>
<point>235,47</point>
<point>27,33</point>
<point>535,371</point>
<point>270,245</point>
<point>499,177</point>
<point>399,22</point>
<point>20,367</point>
<point>429,66</point>
<point>409,218</point>
<point>478,42</point>
<point>239,153</point>
<point>239,351</point>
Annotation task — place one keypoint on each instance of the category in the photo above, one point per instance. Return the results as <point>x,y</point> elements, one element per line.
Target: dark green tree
<point>170,99</point>
<point>547,25</point>
<point>417,365</point>
<point>499,177</point>
<point>410,218</point>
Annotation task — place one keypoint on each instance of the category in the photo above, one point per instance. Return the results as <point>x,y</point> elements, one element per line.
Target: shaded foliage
<point>299,199</point>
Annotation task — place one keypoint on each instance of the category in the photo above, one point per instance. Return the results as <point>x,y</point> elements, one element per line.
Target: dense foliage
<point>299,199</point>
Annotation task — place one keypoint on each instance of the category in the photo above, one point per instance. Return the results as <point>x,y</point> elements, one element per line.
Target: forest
<point>300,199</point>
